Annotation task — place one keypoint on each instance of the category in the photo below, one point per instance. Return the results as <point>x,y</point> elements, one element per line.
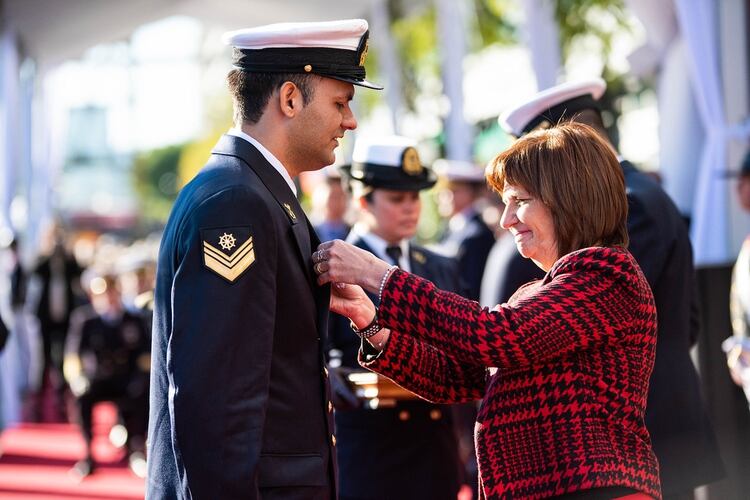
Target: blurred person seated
<point>331,203</point>
<point>107,359</point>
<point>462,197</point>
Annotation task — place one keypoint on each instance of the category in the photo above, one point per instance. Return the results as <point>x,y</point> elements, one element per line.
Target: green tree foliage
<point>155,177</point>
<point>600,20</point>
<point>416,36</point>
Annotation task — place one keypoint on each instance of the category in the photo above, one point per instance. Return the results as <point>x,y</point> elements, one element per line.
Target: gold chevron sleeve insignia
<point>229,267</point>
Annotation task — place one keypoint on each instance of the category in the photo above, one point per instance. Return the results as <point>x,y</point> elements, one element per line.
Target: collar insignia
<point>291,213</point>
<point>418,256</point>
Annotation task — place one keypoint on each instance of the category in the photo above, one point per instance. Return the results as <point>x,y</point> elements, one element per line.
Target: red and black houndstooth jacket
<point>573,352</point>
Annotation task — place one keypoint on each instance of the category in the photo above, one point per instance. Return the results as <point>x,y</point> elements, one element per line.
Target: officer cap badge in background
<point>550,106</point>
<point>334,49</point>
<point>458,171</point>
<point>389,163</point>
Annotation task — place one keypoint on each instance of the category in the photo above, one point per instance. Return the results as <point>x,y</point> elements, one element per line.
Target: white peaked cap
<point>550,104</point>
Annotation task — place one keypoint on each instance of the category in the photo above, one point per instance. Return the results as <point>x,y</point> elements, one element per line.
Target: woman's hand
<point>351,301</point>
<point>339,262</point>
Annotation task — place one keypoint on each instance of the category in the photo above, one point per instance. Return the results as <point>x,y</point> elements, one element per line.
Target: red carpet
<point>37,458</point>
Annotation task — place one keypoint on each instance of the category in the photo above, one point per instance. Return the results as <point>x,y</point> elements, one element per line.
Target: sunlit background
<point>128,120</point>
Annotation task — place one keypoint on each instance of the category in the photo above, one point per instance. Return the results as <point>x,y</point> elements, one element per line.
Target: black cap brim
<point>359,83</point>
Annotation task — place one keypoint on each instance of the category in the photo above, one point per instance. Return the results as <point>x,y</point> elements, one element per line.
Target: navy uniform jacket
<point>676,418</point>
<point>239,390</point>
<point>410,450</point>
<point>115,346</point>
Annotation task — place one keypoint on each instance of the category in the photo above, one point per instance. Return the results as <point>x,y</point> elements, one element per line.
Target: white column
<point>542,37</point>
<point>9,120</point>
<point>452,28</point>
<point>681,133</point>
<point>388,59</point>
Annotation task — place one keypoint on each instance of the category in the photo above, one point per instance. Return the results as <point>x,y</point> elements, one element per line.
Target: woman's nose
<point>508,218</point>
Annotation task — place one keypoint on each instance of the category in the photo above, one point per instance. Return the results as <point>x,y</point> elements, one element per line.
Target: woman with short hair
<point>562,410</point>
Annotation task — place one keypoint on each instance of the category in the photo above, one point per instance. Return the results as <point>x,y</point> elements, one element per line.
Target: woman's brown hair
<point>575,173</point>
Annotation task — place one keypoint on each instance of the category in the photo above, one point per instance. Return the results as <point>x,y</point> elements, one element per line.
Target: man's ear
<point>290,99</point>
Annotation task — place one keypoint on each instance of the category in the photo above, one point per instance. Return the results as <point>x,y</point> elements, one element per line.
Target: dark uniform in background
<point>506,271</point>
<point>467,238</point>
<point>57,279</point>
<point>110,347</point>
<point>239,390</point>
<point>676,417</point>
<point>409,450</point>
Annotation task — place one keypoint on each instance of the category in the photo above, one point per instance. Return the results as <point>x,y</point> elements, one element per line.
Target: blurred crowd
<point>79,322</point>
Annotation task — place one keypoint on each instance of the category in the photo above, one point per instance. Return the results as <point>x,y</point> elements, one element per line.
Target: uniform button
<point>330,407</point>
<point>404,415</point>
<point>436,414</point>
<point>333,440</point>
<point>325,371</point>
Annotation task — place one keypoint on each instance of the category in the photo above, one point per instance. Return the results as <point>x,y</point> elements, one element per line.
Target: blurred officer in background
<point>737,346</point>
<point>408,450</point>
<point>467,239</point>
<point>54,292</point>
<point>331,201</point>
<point>107,359</point>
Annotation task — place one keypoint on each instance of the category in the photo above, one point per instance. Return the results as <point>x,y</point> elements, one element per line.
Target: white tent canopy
<point>52,31</point>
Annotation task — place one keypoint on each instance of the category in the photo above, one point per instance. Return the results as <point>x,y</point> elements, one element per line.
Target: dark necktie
<point>394,253</point>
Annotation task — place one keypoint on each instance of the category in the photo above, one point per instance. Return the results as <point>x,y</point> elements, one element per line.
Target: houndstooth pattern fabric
<point>573,352</point>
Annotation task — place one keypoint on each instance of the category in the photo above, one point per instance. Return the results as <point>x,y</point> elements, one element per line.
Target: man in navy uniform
<point>239,392</point>
<point>467,239</point>
<point>408,450</point>
<point>676,417</point>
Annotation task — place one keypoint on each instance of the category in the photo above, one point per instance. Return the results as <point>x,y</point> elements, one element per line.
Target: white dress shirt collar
<point>378,245</point>
<point>275,163</point>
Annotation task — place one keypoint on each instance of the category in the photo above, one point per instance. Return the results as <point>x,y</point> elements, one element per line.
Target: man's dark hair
<point>251,91</point>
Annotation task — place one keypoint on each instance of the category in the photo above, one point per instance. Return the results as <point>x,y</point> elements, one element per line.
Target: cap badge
<point>308,68</point>
<point>227,241</point>
<point>363,55</point>
<point>410,162</point>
